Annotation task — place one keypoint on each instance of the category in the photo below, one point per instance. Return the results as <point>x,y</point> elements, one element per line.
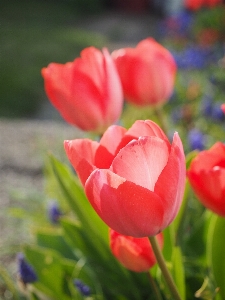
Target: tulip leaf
<point>178,271</point>
<point>83,240</point>
<point>168,244</point>
<point>215,252</point>
<point>189,157</point>
<point>113,273</point>
<point>73,193</point>
<point>51,272</point>
<point>179,220</point>
<point>54,239</point>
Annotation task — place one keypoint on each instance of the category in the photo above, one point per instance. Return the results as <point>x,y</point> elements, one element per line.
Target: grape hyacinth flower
<point>25,270</point>
<point>193,58</point>
<point>178,24</point>
<point>54,212</point>
<point>82,288</point>
<point>217,113</point>
<point>196,139</point>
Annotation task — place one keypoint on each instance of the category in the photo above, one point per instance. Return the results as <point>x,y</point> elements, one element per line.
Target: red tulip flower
<point>87,92</point>
<point>193,4</point>
<point>134,254</point>
<point>134,179</point>
<point>147,72</point>
<point>207,178</point>
<point>223,108</point>
<point>197,4</point>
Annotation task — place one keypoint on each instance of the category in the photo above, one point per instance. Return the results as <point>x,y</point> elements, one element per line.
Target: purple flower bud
<point>25,270</point>
<point>217,113</point>
<point>82,288</point>
<point>196,139</point>
<point>54,212</point>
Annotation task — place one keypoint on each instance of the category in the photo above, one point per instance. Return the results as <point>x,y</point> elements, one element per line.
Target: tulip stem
<point>162,264</point>
<point>154,287</point>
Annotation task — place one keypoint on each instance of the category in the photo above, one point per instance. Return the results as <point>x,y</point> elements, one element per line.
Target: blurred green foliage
<point>33,34</point>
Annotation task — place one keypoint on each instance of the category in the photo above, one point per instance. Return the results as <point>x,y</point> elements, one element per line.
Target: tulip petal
<point>109,143</point>
<point>210,188</point>
<point>142,161</point>
<point>143,128</point>
<point>171,182</point>
<point>124,206</point>
<point>81,153</point>
<point>207,159</point>
<point>113,88</point>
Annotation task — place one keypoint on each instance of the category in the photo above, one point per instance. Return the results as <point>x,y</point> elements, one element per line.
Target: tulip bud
<point>135,254</point>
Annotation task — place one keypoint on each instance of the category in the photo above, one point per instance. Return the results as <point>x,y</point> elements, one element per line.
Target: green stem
<point>154,287</point>
<point>162,264</point>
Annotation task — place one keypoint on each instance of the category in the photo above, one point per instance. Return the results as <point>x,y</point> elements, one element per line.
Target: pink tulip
<point>134,179</point>
<point>207,178</point>
<point>87,92</point>
<point>223,108</point>
<point>134,254</point>
<point>147,72</point>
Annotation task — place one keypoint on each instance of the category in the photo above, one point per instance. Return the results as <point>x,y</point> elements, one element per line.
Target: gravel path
<point>23,148</point>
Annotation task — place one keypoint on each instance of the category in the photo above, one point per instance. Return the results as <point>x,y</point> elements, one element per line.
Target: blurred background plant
<point>33,33</point>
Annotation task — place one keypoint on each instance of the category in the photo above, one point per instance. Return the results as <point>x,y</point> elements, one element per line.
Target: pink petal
<point>81,153</point>
<point>142,161</point>
<point>113,88</point>
<point>171,182</point>
<point>143,128</point>
<point>125,207</point>
<point>108,145</point>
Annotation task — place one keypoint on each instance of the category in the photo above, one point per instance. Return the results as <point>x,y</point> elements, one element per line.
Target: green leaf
<point>169,241</point>
<point>50,270</point>
<point>179,220</point>
<point>178,271</point>
<point>104,264</point>
<point>215,252</point>
<point>189,157</point>
<point>81,239</point>
<point>69,186</point>
<point>54,239</point>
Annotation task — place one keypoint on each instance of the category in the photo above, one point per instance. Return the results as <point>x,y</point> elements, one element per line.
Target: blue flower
<point>82,288</point>
<point>217,113</point>
<point>193,57</point>
<point>196,139</point>
<point>178,24</point>
<point>54,212</point>
<point>25,270</point>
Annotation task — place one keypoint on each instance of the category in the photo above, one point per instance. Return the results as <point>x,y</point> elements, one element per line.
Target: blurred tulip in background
<point>87,92</point>
<point>207,178</point>
<point>147,72</point>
